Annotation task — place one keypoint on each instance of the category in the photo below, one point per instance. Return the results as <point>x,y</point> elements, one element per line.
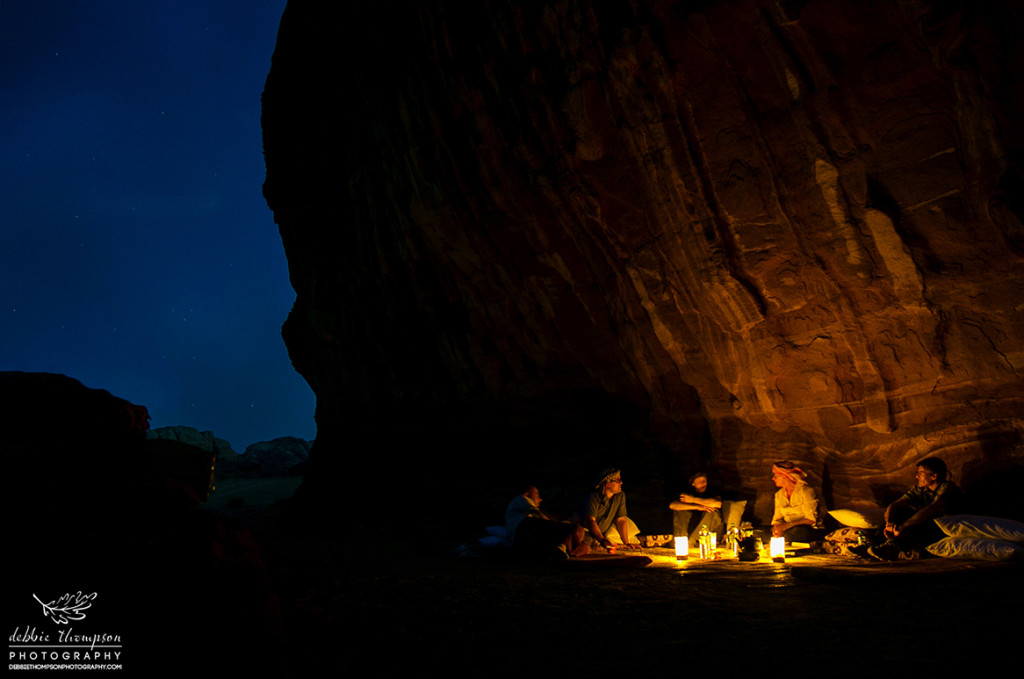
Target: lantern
<point>778,549</point>
<point>682,547</point>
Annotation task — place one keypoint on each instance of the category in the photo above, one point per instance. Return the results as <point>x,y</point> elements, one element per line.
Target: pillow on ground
<point>732,511</point>
<point>854,519</point>
<point>977,548</point>
<point>970,526</point>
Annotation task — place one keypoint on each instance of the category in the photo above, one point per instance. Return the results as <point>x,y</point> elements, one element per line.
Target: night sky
<point>137,254</point>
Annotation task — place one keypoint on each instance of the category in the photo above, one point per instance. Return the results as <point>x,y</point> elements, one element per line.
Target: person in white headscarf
<point>796,505</point>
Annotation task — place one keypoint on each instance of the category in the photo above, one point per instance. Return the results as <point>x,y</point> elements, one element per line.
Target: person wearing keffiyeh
<point>605,507</point>
<point>796,505</point>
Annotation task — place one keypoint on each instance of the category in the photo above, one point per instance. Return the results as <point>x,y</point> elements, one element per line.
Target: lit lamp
<point>778,549</point>
<point>682,547</point>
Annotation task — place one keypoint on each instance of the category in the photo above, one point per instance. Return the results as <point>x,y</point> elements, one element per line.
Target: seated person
<point>604,508</point>
<point>909,521</point>
<point>796,505</point>
<point>701,508</point>
<point>533,532</point>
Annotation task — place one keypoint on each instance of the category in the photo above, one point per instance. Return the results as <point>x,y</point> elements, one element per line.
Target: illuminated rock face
<point>779,229</point>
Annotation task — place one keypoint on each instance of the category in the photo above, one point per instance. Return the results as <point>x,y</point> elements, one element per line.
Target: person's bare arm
<point>895,505</point>
<point>891,529</point>
<point>622,525</point>
<point>590,523</point>
<point>700,504</point>
<point>923,515</point>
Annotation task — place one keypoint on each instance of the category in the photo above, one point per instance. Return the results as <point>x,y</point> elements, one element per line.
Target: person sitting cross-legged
<point>604,508</point>
<point>696,509</point>
<point>796,505</point>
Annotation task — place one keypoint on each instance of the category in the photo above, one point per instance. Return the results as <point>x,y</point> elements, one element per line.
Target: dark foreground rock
<point>91,508</point>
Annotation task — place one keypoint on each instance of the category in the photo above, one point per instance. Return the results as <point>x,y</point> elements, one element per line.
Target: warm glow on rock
<point>779,236</point>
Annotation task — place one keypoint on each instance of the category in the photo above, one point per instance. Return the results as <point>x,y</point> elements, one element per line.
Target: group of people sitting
<point>602,520</point>
<point>909,525</point>
<point>796,516</point>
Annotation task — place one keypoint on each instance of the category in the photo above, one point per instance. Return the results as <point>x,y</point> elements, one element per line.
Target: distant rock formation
<point>204,440</point>
<point>284,456</point>
<point>281,456</point>
<point>712,233</point>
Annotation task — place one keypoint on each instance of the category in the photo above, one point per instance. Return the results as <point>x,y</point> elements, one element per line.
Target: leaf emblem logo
<point>68,607</point>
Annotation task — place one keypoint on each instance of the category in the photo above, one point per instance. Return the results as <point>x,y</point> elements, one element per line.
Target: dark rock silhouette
<point>91,506</point>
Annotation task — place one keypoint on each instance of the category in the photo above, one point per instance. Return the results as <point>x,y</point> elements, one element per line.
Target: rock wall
<point>728,232</point>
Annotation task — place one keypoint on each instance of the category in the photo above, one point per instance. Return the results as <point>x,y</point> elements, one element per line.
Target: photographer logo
<point>33,648</point>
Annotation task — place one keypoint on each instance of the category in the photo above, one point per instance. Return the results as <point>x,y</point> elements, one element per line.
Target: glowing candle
<point>778,549</point>
<point>682,547</point>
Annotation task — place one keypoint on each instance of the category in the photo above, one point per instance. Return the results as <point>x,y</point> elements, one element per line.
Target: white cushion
<point>732,511</point>
<point>970,526</point>
<point>855,519</point>
<point>977,548</point>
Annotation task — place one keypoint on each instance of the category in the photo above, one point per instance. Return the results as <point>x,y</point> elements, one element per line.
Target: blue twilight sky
<point>137,254</point>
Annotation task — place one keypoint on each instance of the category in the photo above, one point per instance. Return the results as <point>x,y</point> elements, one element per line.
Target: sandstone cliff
<point>728,232</point>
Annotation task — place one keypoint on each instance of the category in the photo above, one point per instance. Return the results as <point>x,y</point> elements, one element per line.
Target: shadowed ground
<point>409,605</point>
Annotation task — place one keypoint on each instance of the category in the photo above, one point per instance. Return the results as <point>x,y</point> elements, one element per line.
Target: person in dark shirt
<point>702,506</point>
<point>909,521</point>
<point>604,508</point>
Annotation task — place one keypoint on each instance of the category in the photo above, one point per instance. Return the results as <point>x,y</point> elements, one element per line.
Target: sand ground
<point>409,604</point>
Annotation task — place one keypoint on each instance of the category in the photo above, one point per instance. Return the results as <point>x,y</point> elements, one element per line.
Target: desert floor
<point>412,604</point>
